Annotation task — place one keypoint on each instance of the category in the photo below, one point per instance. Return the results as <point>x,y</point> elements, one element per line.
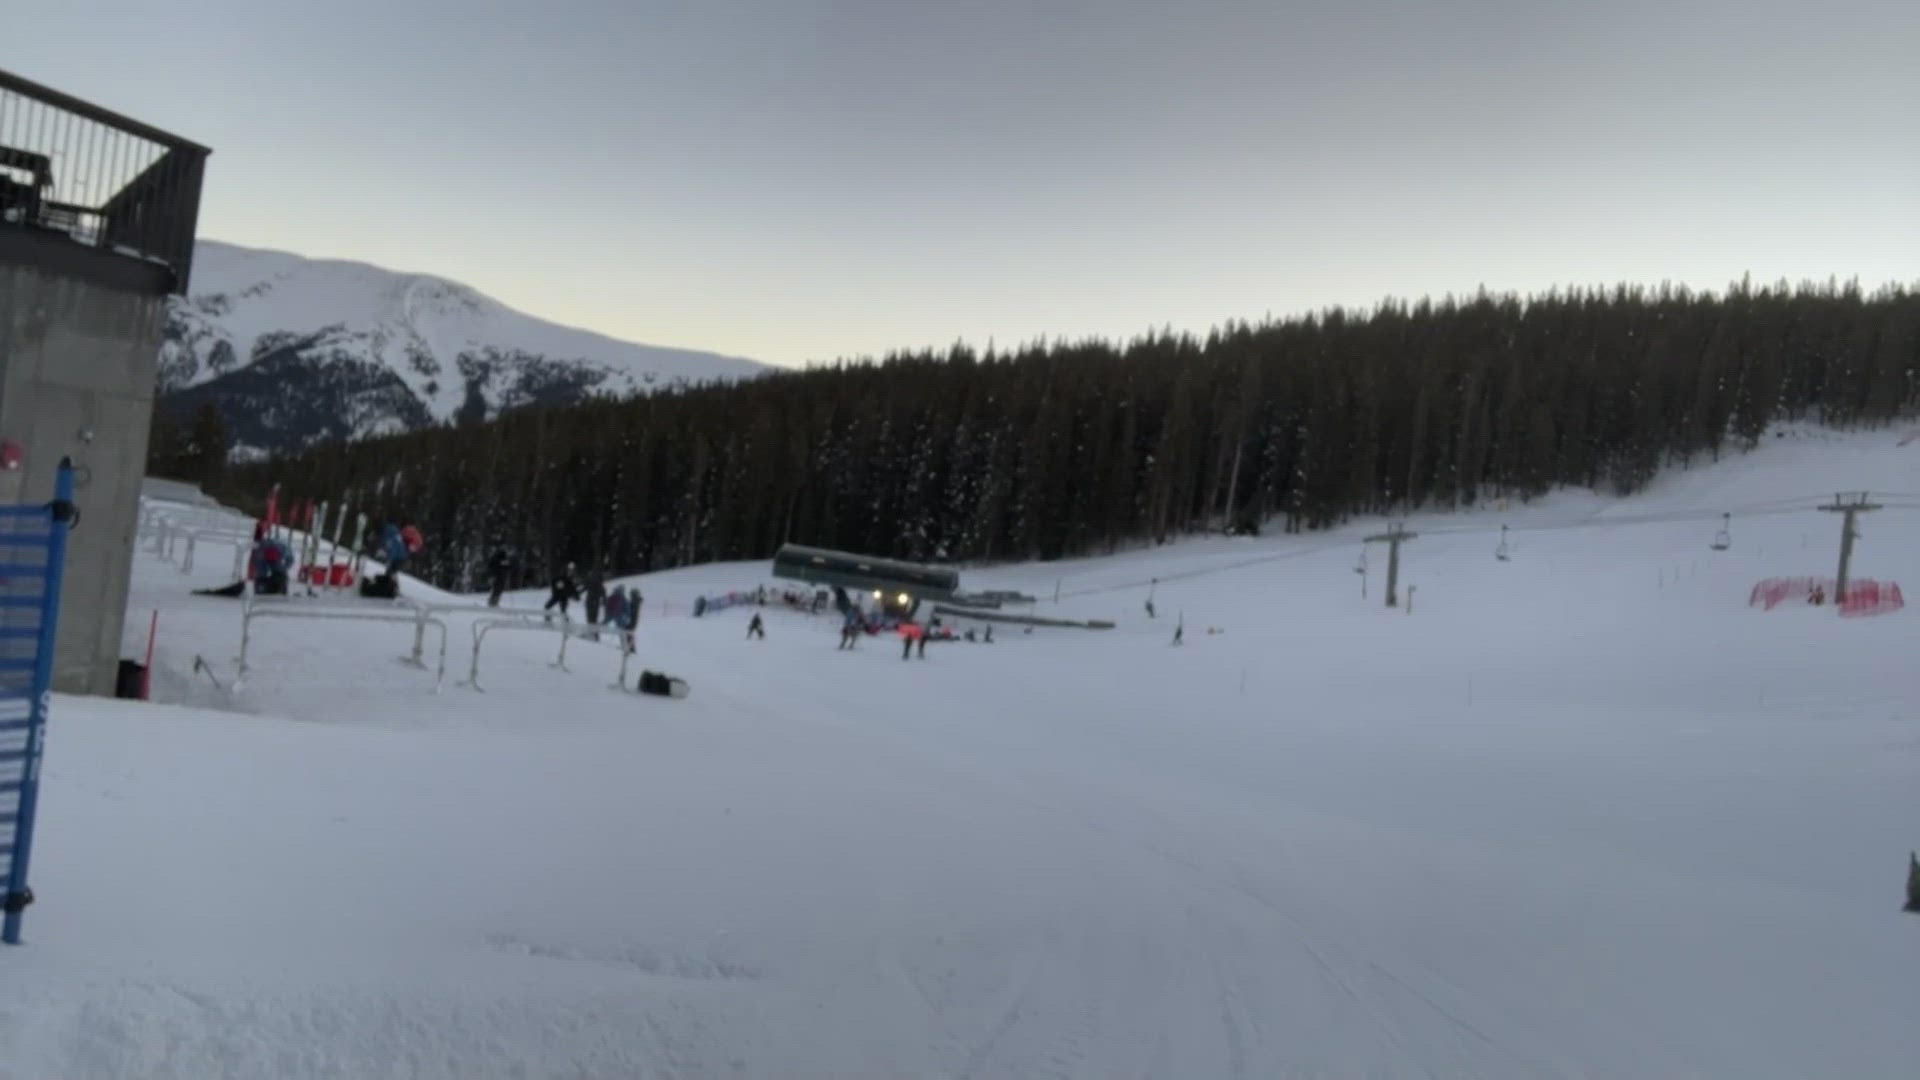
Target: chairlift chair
<point>1723,539</point>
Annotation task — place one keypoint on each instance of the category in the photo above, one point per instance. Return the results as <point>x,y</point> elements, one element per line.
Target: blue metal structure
<point>33,552</point>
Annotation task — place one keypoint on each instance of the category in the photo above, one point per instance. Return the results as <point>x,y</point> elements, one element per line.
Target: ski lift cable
<point>1766,508</point>
<point>1205,570</point>
<point>1674,517</point>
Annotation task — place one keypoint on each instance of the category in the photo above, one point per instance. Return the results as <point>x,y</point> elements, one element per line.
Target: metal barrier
<point>281,609</point>
<point>483,627</point>
<point>165,525</point>
<point>423,611</point>
<point>567,631</point>
<point>240,541</point>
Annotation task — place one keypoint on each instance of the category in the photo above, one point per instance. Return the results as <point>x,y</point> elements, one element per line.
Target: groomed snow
<point>1580,814</point>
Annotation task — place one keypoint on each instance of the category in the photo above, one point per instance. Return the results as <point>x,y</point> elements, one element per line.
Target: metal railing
<point>74,170</point>
<point>241,542</point>
<point>254,609</point>
<point>567,631</point>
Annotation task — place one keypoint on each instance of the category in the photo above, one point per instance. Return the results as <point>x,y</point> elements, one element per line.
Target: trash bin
<point>132,680</point>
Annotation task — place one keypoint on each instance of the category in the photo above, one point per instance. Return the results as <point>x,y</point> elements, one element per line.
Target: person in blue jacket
<point>394,547</point>
<point>271,562</point>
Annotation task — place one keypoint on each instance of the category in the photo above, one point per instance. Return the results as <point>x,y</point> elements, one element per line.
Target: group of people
<point>400,542</point>
<point>620,606</point>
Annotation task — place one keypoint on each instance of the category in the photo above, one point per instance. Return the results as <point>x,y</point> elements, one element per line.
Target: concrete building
<point>97,217</point>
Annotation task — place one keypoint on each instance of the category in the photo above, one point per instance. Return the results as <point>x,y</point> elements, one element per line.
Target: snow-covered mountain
<point>296,350</point>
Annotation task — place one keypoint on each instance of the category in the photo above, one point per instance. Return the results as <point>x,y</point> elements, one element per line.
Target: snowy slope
<point>1580,814</point>
<point>301,348</point>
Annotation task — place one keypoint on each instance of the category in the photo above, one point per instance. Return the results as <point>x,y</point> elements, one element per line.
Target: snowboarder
<point>849,629</point>
<point>988,639</point>
<point>908,632</point>
<point>565,590</point>
<point>499,564</point>
<point>757,628</point>
<point>596,598</point>
<point>923,635</point>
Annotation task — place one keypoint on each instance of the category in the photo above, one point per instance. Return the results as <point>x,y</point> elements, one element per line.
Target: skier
<point>923,636</point>
<point>565,589</point>
<point>1149,609</point>
<point>1179,632</point>
<point>757,628</point>
<point>988,639</point>
<point>596,597</point>
<point>499,564</point>
<point>908,631</point>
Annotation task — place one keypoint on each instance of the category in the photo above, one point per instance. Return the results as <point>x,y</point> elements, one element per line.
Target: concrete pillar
<point>77,368</point>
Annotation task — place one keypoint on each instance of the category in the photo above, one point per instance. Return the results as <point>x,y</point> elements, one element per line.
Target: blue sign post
<point>33,551</point>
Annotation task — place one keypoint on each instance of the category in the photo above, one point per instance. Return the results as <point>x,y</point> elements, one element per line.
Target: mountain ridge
<point>353,350</point>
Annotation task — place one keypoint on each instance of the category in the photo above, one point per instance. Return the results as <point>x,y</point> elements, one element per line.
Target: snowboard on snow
<point>653,682</point>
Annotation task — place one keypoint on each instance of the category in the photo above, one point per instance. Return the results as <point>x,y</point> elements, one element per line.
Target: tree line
<point>1060,449</point>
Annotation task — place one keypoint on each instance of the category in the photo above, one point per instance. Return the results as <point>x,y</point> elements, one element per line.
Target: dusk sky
<point>805,180</point>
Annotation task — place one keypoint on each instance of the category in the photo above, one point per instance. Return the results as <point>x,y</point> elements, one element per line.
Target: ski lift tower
<point>1395,535</point>
<point>97,220</point>
<point>1850,507</point>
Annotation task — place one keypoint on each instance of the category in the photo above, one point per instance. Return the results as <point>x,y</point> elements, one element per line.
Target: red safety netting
<point>1865,596</point>
<point>1871,598</point>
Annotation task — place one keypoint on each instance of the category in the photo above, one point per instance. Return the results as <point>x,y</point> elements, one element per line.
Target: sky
<point>808,180</point>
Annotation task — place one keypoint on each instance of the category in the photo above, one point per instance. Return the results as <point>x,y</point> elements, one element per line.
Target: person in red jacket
<point>912,633</point>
